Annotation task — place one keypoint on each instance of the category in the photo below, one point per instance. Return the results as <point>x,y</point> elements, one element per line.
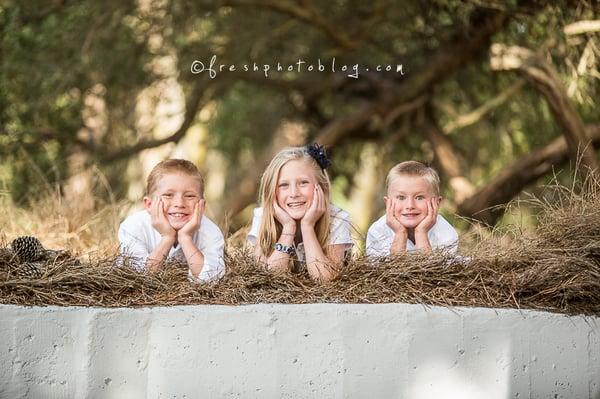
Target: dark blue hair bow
<point>318,153</point>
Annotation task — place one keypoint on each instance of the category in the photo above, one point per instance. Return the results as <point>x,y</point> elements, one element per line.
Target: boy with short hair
<point>173,224</point>
<point>411,221</point>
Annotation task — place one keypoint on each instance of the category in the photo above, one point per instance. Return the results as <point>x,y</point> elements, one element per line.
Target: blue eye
<point>283,185</point>
<point>420,197</point>
<point>167,195</point>
<point>401,197</point>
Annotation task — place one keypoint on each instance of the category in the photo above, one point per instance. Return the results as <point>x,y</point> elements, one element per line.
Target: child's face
<point>411,194</point>
<point>295,187</point>
<point>179,193</point>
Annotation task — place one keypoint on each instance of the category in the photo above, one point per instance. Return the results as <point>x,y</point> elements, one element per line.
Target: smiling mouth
<point>410,215</point>
<point>178,215</point>
<point>295,205</point>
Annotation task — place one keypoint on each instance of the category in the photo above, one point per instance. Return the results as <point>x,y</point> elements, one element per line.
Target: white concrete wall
<point>297,351</point>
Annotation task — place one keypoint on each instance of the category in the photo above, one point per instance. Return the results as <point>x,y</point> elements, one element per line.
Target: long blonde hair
<point>270,229</point>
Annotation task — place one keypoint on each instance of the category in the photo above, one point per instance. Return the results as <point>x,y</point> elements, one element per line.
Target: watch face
<point>285,249</point>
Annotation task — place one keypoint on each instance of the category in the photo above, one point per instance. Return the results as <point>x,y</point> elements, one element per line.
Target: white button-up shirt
<point>138,239</point>
<point>380,237</point>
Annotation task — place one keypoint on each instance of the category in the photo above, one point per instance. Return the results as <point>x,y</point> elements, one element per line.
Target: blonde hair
<point>415,168</point>
<point>171,166</point>
<point>270,229</point>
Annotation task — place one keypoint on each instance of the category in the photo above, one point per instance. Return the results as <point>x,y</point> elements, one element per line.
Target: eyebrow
<point>298,178</point>
<point>418,192</point>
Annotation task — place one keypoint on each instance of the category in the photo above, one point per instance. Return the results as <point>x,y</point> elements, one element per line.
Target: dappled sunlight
<point>470,375</point>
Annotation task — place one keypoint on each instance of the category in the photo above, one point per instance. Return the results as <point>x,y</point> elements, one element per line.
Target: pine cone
<point>30,270</point>
<point>27,248</point>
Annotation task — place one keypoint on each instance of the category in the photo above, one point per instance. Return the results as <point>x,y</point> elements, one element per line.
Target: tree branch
<point>546,80</point>
<point>197,97</point>
<point>478,113</point>
<point>483,205</point>
<point>307,14</point>
<point>579,27</point>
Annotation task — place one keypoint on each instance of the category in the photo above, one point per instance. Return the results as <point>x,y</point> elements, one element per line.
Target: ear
<point>385,199</point>
<point>439,200</point>
<point>147,202</point>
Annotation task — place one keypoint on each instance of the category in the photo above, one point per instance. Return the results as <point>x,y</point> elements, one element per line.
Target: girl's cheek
<point>310,192</point>
<point>279,199</point>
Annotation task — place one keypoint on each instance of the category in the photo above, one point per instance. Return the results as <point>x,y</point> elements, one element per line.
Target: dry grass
<point>554,268</point>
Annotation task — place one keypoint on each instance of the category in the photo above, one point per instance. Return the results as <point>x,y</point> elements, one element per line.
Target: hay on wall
<point>556,269</point>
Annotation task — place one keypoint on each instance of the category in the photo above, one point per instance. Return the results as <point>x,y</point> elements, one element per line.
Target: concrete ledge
<point>296,351</point>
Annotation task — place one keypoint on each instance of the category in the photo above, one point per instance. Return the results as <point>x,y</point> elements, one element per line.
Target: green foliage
<point>55,56</point>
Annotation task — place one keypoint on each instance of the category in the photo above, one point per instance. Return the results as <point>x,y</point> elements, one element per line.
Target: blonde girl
<point>296,222</point>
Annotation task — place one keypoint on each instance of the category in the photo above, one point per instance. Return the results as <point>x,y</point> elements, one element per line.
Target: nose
<point>177,200</point>
<point>410,203</point>
<point>294,191</point>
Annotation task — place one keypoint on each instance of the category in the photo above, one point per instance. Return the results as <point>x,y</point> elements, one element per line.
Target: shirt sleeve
<point>211,242</point>
<point>341,229</point>
<point>133,243</point>
<point>376,242</point>
<point>446,236</point>
<point>256,219</point>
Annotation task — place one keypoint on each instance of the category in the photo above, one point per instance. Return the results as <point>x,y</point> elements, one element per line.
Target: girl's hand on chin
<point>282,216</point>
<point>316,208</point>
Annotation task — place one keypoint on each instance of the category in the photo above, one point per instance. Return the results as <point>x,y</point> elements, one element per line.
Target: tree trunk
<point>446,158</point>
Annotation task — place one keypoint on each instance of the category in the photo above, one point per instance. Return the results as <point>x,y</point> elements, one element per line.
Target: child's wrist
<point>422,235</point>
<point>168,238</point>
<point>182,236</point>
<point>306,225</point>
<point>289,230</point>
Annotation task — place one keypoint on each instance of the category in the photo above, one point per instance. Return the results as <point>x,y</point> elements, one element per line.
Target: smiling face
<point>180,193</point>
<point>411,194</point>
<point>295,187</point>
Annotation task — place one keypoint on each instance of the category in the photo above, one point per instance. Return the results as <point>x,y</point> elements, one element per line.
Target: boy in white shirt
<point>411,221</point>
<point>173,224</point>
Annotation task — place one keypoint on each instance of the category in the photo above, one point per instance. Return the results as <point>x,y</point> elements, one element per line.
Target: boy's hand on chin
<point>429,221</point>
<point>193,224</point>
<point>159,219</point>
<point>391,219</point>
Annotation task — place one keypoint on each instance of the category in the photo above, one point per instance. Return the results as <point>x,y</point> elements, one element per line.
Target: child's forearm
<point>422,242</point>
<point>399,243</point>
<point>160,253</point>
<point>193,255</point>
<point>319,266</point>
<point>280,261</point>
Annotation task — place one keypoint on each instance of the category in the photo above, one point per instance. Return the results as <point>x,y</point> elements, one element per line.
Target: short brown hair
<point>173,166</point>
<point>415,168</point>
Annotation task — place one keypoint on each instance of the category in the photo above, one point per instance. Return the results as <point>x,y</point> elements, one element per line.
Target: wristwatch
<point>285,249</point>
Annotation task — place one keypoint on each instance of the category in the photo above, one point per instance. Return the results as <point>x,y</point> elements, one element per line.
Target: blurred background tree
<point>497,95</point>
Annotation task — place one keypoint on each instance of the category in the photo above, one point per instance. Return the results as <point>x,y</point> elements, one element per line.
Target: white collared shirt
<point>138,239</point>
<point>340,231</point>
<point>380,237</point>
